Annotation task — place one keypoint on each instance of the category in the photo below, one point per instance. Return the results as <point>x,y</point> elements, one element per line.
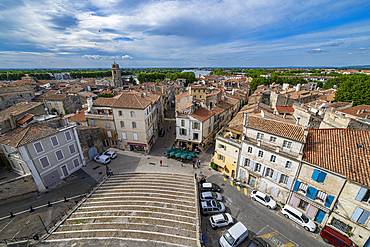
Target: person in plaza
<point>111,172</point>
<point>193,164</point>
<point>160,163</point>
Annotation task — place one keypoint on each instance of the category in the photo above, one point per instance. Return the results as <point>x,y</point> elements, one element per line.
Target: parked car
<point>209,195</point>
<point>161,133</point>
<point>209,187</point>
<point>234,236</point>
<point>219,220</point>
<point>264,199</point>
<point>212,207</point>
<point>111,154</point>
<point>298,217</point>
<point>335,238</point>
<point>257,242</point>
<point>102,159</point>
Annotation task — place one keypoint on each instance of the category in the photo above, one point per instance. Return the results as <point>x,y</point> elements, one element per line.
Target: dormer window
<point>272,139</point>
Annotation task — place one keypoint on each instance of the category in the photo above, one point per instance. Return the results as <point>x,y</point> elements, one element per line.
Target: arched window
<point>132,114</point>
<point>134,125</point>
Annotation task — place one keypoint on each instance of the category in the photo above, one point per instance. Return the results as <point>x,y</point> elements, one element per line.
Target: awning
<point>151,139</point>
<point>303,187</point>
<point>136,144</point>
<point>322,195</point>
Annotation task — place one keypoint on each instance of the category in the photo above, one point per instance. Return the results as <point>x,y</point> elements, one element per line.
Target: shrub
<point>213,166</point>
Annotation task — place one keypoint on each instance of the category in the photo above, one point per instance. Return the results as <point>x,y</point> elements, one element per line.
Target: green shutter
<point>198,126</point>
<point>192,125</point>
<point>185,131</point>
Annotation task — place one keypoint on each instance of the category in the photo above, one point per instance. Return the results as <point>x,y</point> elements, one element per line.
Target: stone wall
<point>89,137</point>
<point>72,103</point>
<point>17,186</point>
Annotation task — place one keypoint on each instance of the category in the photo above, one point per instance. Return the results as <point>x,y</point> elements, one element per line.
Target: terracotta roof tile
<point>345,151</point>
<point>102,101</point>
<point>80,117</point>
<point>292,131</point>
<point>132,100</point>
<point>202,114</point>
<point>17,109</point>
<point>25,118</point>
<point>359,111</point>
<point>285,109</point>
<point>24,135</point>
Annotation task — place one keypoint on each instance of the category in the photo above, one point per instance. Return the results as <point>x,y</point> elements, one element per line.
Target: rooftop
<point>17,109</point>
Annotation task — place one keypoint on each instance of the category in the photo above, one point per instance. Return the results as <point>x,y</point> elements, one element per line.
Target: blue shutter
<point>296,185</point>
<point>364,217</point>
<point>356,215</point>
<point>319,216</point>
<point>361,193</point>
<point>311,193</point>
<point>329,201</point>
<point>315,174</point>
<point>321,177</point>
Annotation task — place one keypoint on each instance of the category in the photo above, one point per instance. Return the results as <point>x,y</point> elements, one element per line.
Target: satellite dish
<point>46,109</point>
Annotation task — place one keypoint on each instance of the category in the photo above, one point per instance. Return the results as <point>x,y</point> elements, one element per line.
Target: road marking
<point>268,235</point>
<point>224,179</point>
<point>231,183</point>
<point>290,244</point>
<point>6,225</point>
<point>238,187</point>
<point>245,191</point>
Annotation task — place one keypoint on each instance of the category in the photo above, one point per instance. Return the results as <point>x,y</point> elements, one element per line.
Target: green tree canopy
<point>354,88</point>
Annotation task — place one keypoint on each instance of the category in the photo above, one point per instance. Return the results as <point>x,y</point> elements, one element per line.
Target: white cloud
<point>126,57</point>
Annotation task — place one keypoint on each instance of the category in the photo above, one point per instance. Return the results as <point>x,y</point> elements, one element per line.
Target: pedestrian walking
<point>193,164</point>
<point>160,163</point>
<point>199,162</point>
<point>111,172</point>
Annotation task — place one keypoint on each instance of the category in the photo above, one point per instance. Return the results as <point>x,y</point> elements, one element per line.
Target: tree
<point>132,80</point>
<point>354,88</point>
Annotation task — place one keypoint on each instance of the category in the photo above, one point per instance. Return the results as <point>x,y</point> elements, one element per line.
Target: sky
<point>185,34</point>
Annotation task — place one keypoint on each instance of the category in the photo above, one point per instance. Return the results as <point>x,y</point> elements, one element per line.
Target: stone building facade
<point>90,140</point>
<point>12,95</point>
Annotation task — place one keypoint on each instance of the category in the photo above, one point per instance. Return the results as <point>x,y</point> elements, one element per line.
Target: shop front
<point>136,146</point>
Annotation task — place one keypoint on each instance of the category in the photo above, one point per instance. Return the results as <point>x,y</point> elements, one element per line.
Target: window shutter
<point>192,125</point>
<point>185,131</point>
<point>198,126</point>
<point>252,165</point>
<point>311,193</point>
<point>329,200</point>
<point>356,215</point>
<point>263,170</point>
<point>274,176</point>
<point>278,175</point>
<point>321,177</point>
<point>361,193</point>
<point>296,185</point>
<point>290,183</point>
<point>315,175</point>
<point>363,217</point>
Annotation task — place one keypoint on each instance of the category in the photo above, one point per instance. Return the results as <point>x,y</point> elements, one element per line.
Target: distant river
<point>198,73</point>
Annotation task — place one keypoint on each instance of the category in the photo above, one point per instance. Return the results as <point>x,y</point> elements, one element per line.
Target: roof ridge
<point>138,101</point>
<point>25,132</point>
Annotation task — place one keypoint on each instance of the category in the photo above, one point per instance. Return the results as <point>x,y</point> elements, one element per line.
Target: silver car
<point>206,196</point>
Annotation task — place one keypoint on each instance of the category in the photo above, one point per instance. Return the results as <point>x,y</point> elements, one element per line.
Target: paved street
<point>270,225</point>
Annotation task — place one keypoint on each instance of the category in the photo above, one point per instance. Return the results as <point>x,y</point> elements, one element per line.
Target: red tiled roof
<point>24,135</point>
<point>285,109</point>
<point>345,151</point>
<point>25,119</point>
<point>21,107</point>
<point>359,111</point>
<point>79,117</point>
<point>132,100</point>
<point>292,131</point>
<point>202,114</point>
<point>102,101</point>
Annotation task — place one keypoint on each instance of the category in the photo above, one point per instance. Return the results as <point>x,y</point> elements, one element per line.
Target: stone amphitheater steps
<point>156,207</point>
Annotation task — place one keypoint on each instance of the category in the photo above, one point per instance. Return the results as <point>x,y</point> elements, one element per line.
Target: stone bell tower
<point>116,75</point>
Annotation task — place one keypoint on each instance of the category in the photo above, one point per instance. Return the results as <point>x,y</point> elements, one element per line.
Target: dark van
<point>335,238</point>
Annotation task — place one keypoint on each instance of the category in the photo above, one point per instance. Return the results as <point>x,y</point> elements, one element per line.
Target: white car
<point>102,159</point>
<point>264,199</point>
<point>111,154</point>
<point>298,217</point>
<point>206,196</point>
<point>219,220</point>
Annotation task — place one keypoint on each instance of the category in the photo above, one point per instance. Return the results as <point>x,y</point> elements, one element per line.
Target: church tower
<point>116,75</point>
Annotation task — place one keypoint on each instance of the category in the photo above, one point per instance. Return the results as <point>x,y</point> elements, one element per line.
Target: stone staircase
<point>156,207</point>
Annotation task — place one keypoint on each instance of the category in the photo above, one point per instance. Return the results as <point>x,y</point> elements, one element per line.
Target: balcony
<point>229,139</point>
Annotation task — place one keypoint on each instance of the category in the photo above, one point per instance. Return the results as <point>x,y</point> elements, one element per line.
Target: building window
<point>119,113</point>
<point>303,205</point>
<point>258,167</point>
<point>318,176</point>
<point>122,124</point>
<point>260,154</point>
<point>222,146</point>
<point>183,132</point>
<point>221,157</point>
<point>132,114</point>
<point>54,141</point>
<point>196,125</point>
<point>249,150</point>
<point>134,125</point>
<point>273,158</point>
<point>109,133</point>
<point>183,123</point>
<point>44,162</point>
<point>302,188</point>
<point>123,135</point>
<point>247,162</point>
<point>321,196</point>
<point>107,123</point>
<point>72,149</point>
<point>135,137</point>
<point>76,162</point>
<point>269,172</point>
<point>112,142</point>
<point>56,103</point>
<point>287,145</point>
<point>38,147</point>
<point>59,155</point>
<point>106,142</point>
<point>260,137</point>
<point>363,195</point>
<point>341,225</point>
<point>272,139</point>
<point>195,136</point>
<point>283,179</point>
<point>68,136</point>
<point>92,122</point>
<point>288,164</point>
<point>360,215</point>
